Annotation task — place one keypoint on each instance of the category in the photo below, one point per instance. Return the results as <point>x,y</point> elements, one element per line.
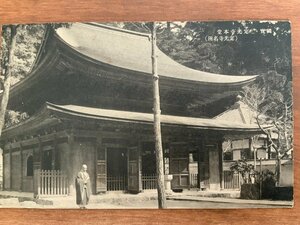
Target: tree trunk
<point>7,77</point>
<point>285,127</point>
<point>157,127</point>
<point>278,171</point>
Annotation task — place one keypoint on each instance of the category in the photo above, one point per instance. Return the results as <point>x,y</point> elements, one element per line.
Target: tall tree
<point>153,28</point>
<point>157,126</point>
<point>20,46</point>
<point>7,67</point>
<point>271,98</point>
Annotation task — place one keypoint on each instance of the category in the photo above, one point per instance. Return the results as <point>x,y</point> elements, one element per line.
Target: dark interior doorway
<point>149,180</point>
<point>116,169</point>
<point>148,158</point>
<point>47,160</point>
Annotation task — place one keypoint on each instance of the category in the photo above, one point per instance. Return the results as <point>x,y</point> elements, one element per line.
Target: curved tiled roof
<point>52,113</point>
<point>132,51</point>
<point>128,116</point>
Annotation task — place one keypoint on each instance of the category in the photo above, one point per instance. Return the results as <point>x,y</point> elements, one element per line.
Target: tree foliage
<point>20,46</point>
<point>271,98</point>
<point>28,40</point>
<point>246,170</point>
<point>252,53</point>
<point>14,117</point>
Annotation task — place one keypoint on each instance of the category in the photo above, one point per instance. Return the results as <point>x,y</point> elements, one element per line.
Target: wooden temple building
<point>89,96</point>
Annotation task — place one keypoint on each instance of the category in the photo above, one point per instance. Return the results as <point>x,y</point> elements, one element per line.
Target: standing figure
<point>83,187</point>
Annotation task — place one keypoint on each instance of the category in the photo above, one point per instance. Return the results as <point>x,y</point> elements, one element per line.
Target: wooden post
<point>40,153</point>
<point>37,179</point>
<point>48,175</point>
<point>157,127</point>
<point>54,162</point>
<point>3,168</point>
<point>71,169</point>
<point>10,167</point>
<point>279,172</point>
<point>200,149</point>
<point>221,155</point>
<point>22,164</point>
<point>254,151</point>
<point>260,180</point>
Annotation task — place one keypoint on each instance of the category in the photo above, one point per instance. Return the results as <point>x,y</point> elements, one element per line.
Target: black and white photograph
<point>146,115</point>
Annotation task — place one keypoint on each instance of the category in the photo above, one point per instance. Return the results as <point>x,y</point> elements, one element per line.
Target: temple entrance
<point>134,170</point>
<point>116,169</point>
<point>149,180</point>
<point>179,166</point>
<point>214,167</point>
<point>47,159</point>
<point>209,167</point>
<point>203,168</point>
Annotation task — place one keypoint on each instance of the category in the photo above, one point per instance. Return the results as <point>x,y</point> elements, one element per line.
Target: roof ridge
<point>118,29</point>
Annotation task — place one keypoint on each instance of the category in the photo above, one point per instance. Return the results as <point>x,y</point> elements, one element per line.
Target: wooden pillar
<point>139,144</point>
<point>10,167</point>
<point>251,146</point>
<point>39,153</point>
<point>101,166</point>
<point>53,160</point>
<point>22,165</point>
<point>200,148</point>
<point>96,162</point>
<point>3,167</point>
<point>70,167</point>
<point>214,164</point>
<point>221,155</point>
<point>36,178</point>
<point>37,165</point>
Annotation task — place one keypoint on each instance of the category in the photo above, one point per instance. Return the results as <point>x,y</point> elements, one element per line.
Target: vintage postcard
<point>146,115</point>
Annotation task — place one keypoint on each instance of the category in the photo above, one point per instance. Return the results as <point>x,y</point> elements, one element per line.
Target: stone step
<point>9,202</point>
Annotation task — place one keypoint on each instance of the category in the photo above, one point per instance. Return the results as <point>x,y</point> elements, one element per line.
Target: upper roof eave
<point>132,50</point>
<point>197,80</point>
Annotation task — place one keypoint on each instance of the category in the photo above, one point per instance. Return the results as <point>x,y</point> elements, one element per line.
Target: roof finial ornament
<point>238,98</point>
<point>238,101</point>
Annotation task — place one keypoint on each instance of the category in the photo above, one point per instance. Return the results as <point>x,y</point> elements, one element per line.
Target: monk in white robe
<point>83,187</point>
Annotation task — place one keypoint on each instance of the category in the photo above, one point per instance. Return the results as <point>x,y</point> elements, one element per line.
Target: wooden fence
<point>232,180</point>
<point>149,181</point>
<point>52,182</point>
<point>116,183</point>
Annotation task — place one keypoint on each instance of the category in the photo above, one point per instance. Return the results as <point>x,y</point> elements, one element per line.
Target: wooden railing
<point>52,182</point>
<point>232,180</point>
<point>149,181</point>
<point>116,183</point>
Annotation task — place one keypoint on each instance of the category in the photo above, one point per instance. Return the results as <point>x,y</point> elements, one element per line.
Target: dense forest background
<point>258,48</point>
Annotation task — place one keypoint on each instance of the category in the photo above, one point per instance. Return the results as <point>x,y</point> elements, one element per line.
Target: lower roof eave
<point>51,115</point>
<point>147,118</point>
